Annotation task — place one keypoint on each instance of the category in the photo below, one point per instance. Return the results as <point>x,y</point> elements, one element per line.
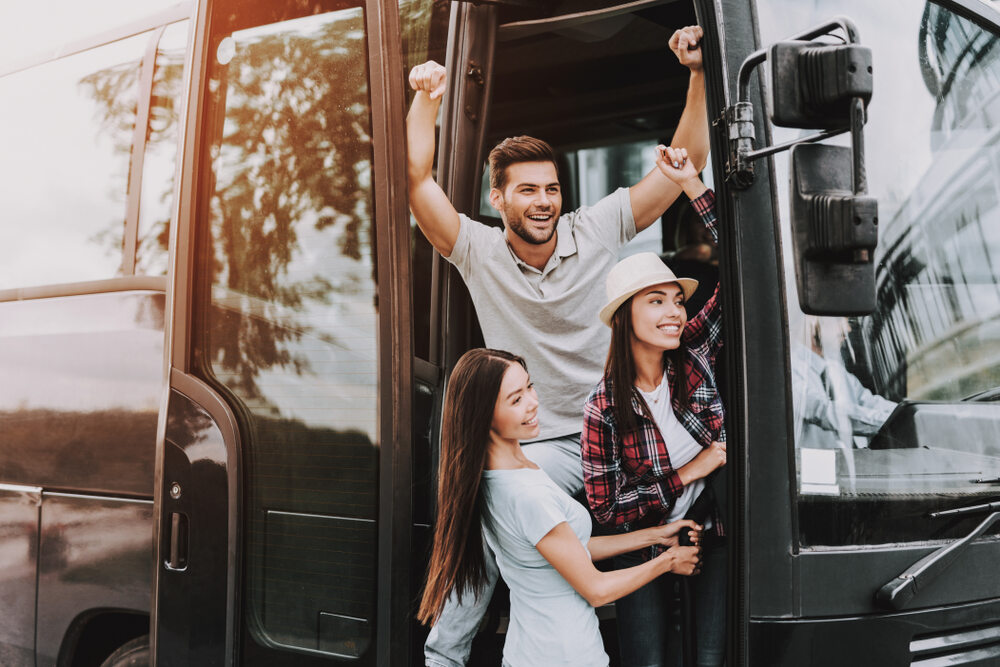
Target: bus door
<point>868,460</point>
<point>284,475</point>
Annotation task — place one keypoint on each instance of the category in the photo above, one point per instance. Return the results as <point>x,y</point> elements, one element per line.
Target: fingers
<point>685,44</point>
<point>686,39</point>
<point>675,157</point>
<point>430,78</point>
<point>687,560</point>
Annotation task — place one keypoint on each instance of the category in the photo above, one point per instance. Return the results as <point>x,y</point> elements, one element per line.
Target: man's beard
<point>518,226</point>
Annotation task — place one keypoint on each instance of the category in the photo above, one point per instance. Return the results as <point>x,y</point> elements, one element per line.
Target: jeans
<point>645,616</point>
<point>450,640</point>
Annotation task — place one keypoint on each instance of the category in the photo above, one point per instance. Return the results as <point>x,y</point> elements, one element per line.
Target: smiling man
<point>538,284</point>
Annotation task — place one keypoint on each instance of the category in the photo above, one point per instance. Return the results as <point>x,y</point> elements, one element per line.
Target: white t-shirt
<point>681,447</point>
<point>550,623</point>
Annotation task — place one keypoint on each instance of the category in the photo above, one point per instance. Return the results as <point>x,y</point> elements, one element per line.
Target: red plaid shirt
<point>629,480</point>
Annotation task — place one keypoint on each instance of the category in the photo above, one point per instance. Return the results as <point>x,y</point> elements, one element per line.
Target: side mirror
<point>813,85</point>
<point>834,232</point>
<point>826,87</point>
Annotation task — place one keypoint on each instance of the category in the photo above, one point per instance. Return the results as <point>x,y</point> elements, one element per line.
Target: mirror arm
<point>777,148</point>
<point>739,117</point>
<point>859,181</point>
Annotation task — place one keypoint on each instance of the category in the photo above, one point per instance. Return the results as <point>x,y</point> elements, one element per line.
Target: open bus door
<point>864,475</point>
<point>283,473</point>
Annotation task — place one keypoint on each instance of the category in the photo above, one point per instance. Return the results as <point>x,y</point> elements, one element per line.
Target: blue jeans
<point>450,640</point>
<point>645,616</point>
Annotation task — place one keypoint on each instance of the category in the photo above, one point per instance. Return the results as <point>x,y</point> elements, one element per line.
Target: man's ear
<point>496,200</point>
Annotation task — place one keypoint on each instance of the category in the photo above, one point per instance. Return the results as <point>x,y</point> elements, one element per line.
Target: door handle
<point>178,542</point>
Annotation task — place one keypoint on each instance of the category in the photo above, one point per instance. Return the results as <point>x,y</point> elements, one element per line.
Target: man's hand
<point>430,78</point>
<point>435,215</point>
<point>686,45</point>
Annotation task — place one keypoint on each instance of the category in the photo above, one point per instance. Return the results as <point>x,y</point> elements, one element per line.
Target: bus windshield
<point>895,414</point>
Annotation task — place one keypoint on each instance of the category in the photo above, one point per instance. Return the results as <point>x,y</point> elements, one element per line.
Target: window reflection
<point>875,450</point>
<point>292,328</point>
<point>159,162</point>
<point>66,129</point>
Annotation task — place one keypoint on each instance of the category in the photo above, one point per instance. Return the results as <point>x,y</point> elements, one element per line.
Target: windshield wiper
<point>897,593</point>
<point>985,396</point>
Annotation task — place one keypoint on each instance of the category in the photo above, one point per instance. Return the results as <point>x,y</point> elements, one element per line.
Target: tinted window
<point>888,424</point>
<point>66,129</point>
<point>292,323</point>
<point>424,31</point>
<point>159,162</point>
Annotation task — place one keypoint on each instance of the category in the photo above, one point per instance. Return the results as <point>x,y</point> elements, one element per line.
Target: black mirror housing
<point>834,233</point>
<point>812,85</point>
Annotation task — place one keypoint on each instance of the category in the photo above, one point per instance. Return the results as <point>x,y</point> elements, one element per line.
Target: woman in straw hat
<point>653,431</point>
<point>540,535</point>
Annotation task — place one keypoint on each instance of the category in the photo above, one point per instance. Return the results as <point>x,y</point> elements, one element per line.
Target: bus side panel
<point>83,377</point>
<point>943,636</point>
<point>18,558</point>
<point>94,554</point>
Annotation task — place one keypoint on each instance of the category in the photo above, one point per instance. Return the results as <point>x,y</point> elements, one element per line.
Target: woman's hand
<point>680,560</point>
<point>668,535</point>
<point>711,458</point>
<point>675,165</point>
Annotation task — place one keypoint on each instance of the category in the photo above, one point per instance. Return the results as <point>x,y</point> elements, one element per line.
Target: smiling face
<point>515,415</point>
<point>530,202</point>
<point>658,316</point>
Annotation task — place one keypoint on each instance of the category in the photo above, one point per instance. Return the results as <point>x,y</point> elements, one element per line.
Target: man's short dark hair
<point>517,149</point>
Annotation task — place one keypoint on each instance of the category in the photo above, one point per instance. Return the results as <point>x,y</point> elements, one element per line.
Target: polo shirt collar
<point>565,247</point>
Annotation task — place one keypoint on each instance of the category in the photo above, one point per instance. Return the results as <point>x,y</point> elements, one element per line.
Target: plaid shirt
<point>629,480</point>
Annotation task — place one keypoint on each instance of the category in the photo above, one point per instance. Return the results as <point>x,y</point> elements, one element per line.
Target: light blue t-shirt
<point>550,623</point>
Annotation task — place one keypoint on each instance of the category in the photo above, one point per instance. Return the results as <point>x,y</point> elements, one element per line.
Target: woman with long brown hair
<point>653,431</point>
<point>489,490</point>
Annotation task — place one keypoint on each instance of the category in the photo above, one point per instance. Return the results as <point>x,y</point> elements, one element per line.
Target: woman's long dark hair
<point>457,554</point>
<point>619,372</point>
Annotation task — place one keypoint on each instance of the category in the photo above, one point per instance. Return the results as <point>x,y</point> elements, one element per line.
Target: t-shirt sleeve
<point>474,240</point>
<point>609,221</point>
<point>537,511</point>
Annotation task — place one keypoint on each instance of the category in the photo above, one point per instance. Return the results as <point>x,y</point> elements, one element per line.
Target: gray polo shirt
<point>549,317</point>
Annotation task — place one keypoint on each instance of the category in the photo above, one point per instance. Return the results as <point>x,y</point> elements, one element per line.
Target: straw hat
<point>634,274</point>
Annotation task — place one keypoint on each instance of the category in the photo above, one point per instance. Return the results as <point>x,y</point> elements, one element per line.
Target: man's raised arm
<point>655,192</point>
<point>435,215</point>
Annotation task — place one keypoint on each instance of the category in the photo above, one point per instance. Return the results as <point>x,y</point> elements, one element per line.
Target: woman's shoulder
<point>600,395</point>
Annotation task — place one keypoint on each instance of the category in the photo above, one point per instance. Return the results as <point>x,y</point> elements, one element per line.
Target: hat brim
<point>687,285</point>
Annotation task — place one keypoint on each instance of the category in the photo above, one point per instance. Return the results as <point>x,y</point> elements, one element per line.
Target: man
<point>538,284</point>
<point>832,409</point>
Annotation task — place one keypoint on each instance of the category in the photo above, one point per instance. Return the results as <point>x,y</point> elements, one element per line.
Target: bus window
<point>159,160</point>
<point>64,165</point>
<point>892,412</point>
<point>31,28</point>
<point>292,321</point>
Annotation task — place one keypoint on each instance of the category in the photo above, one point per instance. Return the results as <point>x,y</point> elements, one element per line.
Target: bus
<point>224,343</point>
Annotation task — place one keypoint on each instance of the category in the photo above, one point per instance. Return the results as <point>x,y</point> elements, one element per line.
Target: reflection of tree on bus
<point>540,535</point>
<point>537,284</point>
